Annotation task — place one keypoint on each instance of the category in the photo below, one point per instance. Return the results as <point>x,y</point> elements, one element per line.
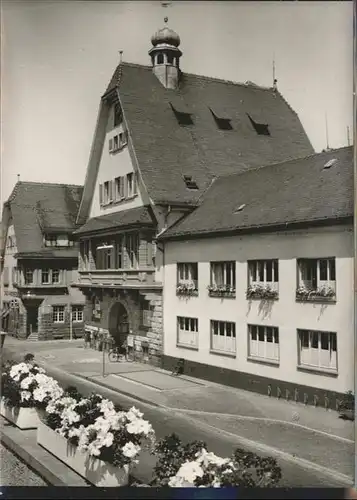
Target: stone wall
<point>48,330</point>
<point>133,301</point>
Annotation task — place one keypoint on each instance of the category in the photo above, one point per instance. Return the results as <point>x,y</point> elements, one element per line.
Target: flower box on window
<point>325,293</point>
<point>23,418</point>
<point>94,470</point>
<point>187,288</point>
<point>221,291</point>
<point>261,292</point>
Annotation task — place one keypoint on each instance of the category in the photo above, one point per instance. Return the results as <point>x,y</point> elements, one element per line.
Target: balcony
<point>126,278</point>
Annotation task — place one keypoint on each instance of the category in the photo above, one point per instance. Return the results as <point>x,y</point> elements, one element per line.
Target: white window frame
<point>258,273</point>
<point>58,314</point>
<point>107,193</point>
<point>77,314</point>
<point>132,249</point>
<point>220,340</point>
<point>223,273</point>
<point>262,348</point>
<point>187,331</point>
<point>318,358</point>
<point>187,272</point>
<point>131,185</point>
<point>26,271</point>
<point>306,279</point>
<point>58,271</point>
<point>119,183</point>
<point>48,272</point>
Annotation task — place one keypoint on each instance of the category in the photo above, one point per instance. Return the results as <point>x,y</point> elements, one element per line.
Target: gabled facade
<point>40,261</point>
<point>162,137</point>
<point>259,281</point>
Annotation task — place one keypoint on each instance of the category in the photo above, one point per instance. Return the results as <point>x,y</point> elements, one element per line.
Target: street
<point>220,434</point>
<point>13,472</point>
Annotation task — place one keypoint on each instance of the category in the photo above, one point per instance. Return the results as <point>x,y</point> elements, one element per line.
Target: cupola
<point>165,56</point>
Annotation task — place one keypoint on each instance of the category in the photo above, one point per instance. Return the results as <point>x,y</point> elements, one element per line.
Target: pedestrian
<point>86,339</point>
<point>95,337</point>
<point>91,339</point>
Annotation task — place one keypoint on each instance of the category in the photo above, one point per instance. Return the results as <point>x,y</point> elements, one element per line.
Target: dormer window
<point>190,183</point>
<point>181,113</point>
<point>223,122</point>
<point>58,240</point>
<point>118,116</point>
<point>260,128</point>
<point>118,142</point>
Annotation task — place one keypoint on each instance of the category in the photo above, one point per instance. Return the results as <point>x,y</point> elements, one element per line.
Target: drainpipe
<point>162,250</point>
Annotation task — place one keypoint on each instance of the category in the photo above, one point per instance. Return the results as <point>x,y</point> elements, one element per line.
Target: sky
<point>57,57</point>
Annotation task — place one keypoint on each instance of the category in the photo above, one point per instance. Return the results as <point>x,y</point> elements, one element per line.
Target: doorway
<point>32,320</point>
<point>119,323</point>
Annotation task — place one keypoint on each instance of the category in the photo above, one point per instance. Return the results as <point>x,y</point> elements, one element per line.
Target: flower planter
<point>23,418</point>
<point>96,471</point>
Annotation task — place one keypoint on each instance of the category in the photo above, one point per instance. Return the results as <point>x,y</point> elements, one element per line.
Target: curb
<point>120,391</point>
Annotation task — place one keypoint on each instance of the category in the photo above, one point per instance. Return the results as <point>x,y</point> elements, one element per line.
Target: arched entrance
<point>118,323</point>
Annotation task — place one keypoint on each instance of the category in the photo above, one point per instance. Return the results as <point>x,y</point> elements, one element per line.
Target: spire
<point>165,55</point>
<point>275,81</point>
<point>327,138</point>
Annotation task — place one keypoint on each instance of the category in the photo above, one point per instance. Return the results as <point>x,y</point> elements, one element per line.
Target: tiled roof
<point>296,191</point>
<point>37,207</point>
<point>166,151</point>
<point>124,218</point>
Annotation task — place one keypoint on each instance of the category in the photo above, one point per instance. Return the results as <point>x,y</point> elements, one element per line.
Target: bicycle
<point>118,354</point>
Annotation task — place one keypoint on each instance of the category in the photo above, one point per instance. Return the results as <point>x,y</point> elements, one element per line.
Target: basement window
<point>190,184</point>
<point>182,117</point>
<point>223,123</point>
<point>260,128</point>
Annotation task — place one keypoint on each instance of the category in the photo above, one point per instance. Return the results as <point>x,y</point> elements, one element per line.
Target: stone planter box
<point>96,471</point>
<point>23,418</point>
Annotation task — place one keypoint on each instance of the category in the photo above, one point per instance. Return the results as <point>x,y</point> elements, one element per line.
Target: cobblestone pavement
<point>13,472</point>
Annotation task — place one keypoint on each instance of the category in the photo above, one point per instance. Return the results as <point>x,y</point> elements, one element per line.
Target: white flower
<point>25,395</point>
<point>17,370</point>
<point>39,394</point>
<point>139,426</point>
<point>27,381</point>
<point>206,458</point>
<point>130,450</point>
<point>178,482</point>
<point>134,414</point>
<point>189,471</point>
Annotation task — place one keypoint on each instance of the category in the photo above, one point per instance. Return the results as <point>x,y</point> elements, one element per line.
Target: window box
<point>221,291</point>
<point>316,280</point>
<point>187,288</point>
<point>262,291</point>
<point>223,279</point>
<point>317,350</point>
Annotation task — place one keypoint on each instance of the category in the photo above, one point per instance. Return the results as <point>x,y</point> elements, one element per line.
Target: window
<point>222,122</point>
<point>107,195</point>
<point>45,276</point>
<point>131,185</point>
<point>115,142</point>
<point>50,240</point>
<point>170,59</point>
<point>160,59</point>
<point>85,254</point>
<point>223,277</point>
<point>119,252</point>
<point>28,276</point>
<point>58,240</point>
<point>187,331</point>
<point>119,188</point>
<point>55,276</point>
<point>58,314</point>
<point>105,256</point>
<point>263,278</point>
<point>260,128</point>
<point>182,117</point>
<point>132,248</point>
<point>77,314</point>
<point>223,336</point>
<point>187,275</point>
<point>190,184</point>
<point>317,349</point>
<point>118,116</point>
<point>147,312</point>
<point>263,342</point>
<point>317,275</point>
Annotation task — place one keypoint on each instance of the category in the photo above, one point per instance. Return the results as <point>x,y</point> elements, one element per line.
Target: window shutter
<point>125,182</point>
<point>135,186</point>
<point>101,194</point>
<point>110,145</point>
<point>111,190</point>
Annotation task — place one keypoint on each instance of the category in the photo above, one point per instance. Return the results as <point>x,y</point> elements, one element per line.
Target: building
<point>162,137</point>
<point>40,261</point>
<point>259,281</point>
